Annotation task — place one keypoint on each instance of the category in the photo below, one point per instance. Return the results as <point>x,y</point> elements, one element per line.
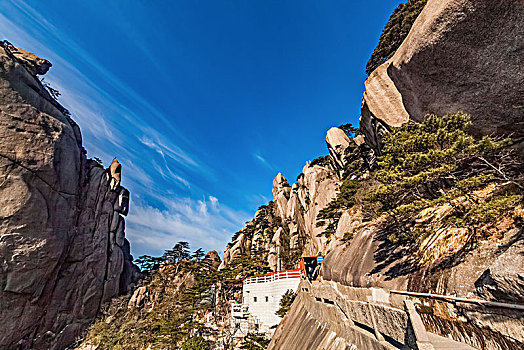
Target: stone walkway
<point>443,343</point>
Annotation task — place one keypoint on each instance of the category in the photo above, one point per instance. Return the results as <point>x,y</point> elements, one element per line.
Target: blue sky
<point>203,102</point>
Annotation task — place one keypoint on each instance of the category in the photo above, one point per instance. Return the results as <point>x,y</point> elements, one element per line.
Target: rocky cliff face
<point>458,56</point>
<point>442,66</point>
<point>287,227</point>
<point>63,250</point>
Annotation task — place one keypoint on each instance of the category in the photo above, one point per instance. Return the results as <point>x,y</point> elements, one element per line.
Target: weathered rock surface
<point>504,279</point>
<point>288,226</point>
<point>337,142</point>
<point>328,315</point>
<point>459,56</point>
<point>33,63</point>
<point>62,246</point>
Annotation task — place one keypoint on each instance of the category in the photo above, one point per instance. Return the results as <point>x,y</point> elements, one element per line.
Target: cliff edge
<point>63,250</point>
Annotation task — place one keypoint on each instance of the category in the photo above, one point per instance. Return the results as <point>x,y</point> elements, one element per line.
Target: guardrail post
<point>421,336</point>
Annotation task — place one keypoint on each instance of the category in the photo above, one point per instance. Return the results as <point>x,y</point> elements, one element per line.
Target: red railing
<point>274,276</point>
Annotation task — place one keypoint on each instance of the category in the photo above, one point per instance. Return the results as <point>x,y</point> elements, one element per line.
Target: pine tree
<point>198,254</point>
<point>178,252</point>
<point>437,161</point>
<point>285,303</point>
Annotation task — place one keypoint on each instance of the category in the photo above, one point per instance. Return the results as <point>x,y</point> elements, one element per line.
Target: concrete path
<point>443,343</point>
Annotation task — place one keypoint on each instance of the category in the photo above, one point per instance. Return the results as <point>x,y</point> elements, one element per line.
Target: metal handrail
<point>461,300</point>
<point>275,276</point>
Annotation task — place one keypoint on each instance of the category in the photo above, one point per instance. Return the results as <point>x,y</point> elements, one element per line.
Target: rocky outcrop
<point>34,64</point>
<point>504,279</point>
<point>156,315</point>
<point>150,294</point>
<point>491,269</point>
<point>212,259</point>
<point>287,227</point>
<point>444,66</point>
<point>63,250</point>
<point>337,142</point>
<point>458,56</point>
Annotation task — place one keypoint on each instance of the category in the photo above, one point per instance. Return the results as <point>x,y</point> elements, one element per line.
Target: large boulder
<point>62,247</point>
<point>460,55</point>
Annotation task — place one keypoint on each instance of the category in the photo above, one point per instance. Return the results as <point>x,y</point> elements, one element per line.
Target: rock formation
<point>288,226</point>
<point>63,250</point>
<point>442,66</point>
<point>459,56</point>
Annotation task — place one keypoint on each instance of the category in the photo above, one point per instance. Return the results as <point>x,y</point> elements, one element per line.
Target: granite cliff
<point>458,56</point>
<point>63,251</point>
<point>443,61</point>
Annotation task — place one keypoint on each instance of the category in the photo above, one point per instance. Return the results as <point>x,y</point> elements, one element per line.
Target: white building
<point>261,299</point>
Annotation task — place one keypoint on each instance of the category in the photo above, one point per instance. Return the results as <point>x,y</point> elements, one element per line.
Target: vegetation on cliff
<point>434,164</point>
<point>395,32</point>
<point>353,172</point>
<point>259,232</point>
<point>285,302</point>
<point>166,310</point>
<point>438,162</point>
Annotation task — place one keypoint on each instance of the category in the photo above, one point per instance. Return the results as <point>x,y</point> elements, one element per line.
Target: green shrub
<point>491,210</point>
<point>195,343</point>
<point>254,342</point>
<point>427,164</point>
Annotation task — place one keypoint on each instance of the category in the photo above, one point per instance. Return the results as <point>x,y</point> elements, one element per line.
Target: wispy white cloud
<point>257,199</point>
<point>64,42</point>
<point>164,150</point>
<point>214,202</point>
<point>112,126</point>
<point>263,161</point>
<point>153,230</point>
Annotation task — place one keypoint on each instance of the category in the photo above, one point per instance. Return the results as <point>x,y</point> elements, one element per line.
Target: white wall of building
<point>263,300</point>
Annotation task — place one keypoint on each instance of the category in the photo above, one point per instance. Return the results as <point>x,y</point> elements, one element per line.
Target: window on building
<point>267,299</point>
<point>255,299</point>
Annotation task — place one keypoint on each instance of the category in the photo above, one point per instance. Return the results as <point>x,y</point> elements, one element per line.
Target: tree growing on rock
<point>178,252</point>
<point>439,162</point>
<point>395,32</point>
